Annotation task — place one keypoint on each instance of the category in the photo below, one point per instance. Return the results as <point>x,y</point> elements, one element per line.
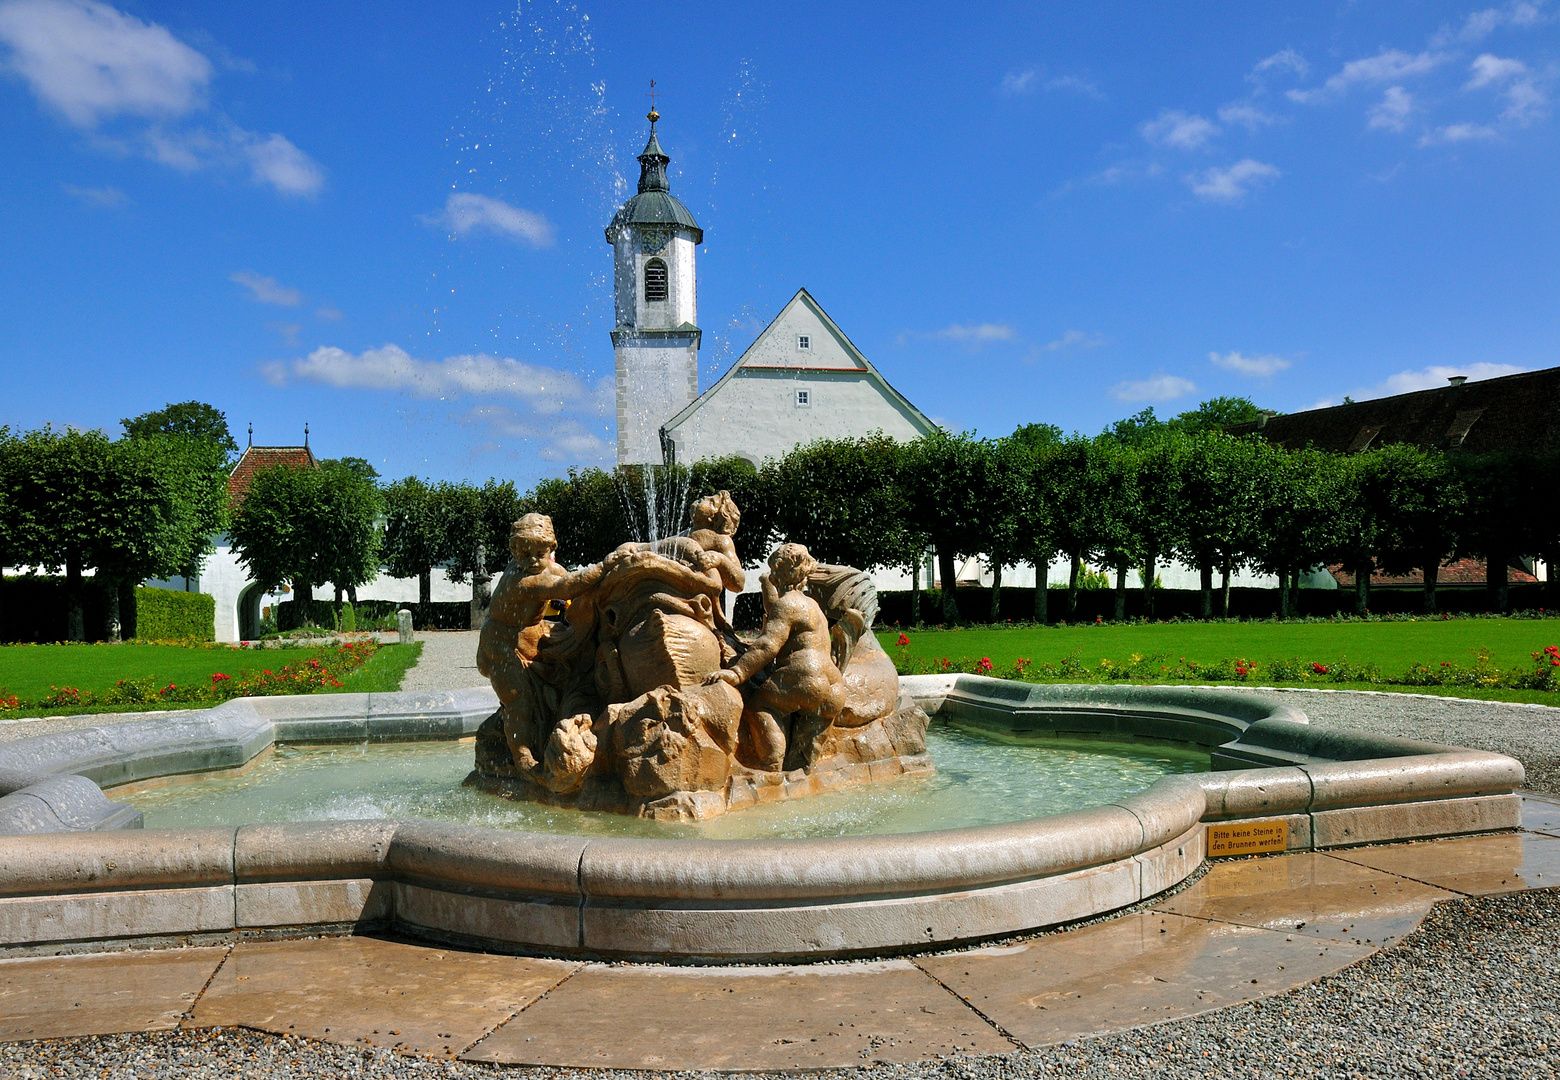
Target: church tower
<point>656,340</point>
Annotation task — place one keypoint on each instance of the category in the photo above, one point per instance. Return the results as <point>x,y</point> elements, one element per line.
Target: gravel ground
<point>448,661</point>
<point>1529,733</point>
<point>1474,992</point>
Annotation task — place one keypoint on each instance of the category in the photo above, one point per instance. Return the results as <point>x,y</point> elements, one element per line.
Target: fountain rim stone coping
<point>77,874</point>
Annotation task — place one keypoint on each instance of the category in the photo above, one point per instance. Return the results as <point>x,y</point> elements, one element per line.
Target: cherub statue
<point>715,520</point>
<point>796,637</point>
<point>516,635</point>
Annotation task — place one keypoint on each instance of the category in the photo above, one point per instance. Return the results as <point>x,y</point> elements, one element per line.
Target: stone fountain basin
<point>77,874</point>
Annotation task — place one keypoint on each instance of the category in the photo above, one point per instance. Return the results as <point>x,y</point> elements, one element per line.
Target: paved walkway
<point>1246,930</point>
<point>448,661</point>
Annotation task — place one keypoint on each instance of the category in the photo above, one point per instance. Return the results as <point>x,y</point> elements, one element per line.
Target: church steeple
<point>653,161</point>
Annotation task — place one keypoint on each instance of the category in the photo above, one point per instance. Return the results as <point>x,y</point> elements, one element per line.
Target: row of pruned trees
<point>145,505</point>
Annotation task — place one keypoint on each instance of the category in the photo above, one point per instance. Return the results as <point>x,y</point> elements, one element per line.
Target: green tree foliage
<point>475,523</point>
<point>949,478</point>
<point>187,420</point>
<point>1220,513</point>
<point>1217,414</point>
<point>1426,506</point>
<point>346,516</point>
<point>121,509</point>
<point>272,530</point>
<point>589,510</point>
<point>412,541</point>
<point>1299,507</point>
<point>844,499</point>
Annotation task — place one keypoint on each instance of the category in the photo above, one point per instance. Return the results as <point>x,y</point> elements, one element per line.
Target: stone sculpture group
<point>622,686</point>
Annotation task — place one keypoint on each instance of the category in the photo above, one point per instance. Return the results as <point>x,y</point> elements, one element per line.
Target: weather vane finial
<point>652,115</point>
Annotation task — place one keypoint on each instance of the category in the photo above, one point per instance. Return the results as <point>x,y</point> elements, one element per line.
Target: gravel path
<point>1475,992</point>
<point>1529,733</point>
<point>448,661</point>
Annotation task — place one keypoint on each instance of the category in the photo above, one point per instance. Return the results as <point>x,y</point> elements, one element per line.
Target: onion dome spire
<point>653,160</point>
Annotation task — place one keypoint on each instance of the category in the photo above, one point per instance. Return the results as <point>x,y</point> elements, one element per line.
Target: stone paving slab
<point>1477,866</point>
<point>1540,812</point>
<point>410,998</point>
<point>742,1019</point>
<point>101,993</point>
<point>1309,893</point>
<point>1135,970</point>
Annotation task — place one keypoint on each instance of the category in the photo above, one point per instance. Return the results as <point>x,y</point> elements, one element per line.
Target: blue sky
<point>386,219</point>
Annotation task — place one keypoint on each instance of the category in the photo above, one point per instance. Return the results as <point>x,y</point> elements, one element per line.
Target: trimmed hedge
<point>169,615</point>
<point>440,615</point>
<point>32,609</point>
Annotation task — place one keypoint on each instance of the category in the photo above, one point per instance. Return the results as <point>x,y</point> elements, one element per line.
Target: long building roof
<point>1513,412</point>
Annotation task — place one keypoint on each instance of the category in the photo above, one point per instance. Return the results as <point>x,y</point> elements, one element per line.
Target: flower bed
<point>323,672</point>
<point>1542,675</point>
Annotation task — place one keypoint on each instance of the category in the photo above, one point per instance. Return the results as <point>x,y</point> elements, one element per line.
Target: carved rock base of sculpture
<point>674,754</point>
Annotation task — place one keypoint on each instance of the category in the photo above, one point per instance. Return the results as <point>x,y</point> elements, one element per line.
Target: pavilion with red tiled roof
<point>1457,572</point>
<point>264,457</point>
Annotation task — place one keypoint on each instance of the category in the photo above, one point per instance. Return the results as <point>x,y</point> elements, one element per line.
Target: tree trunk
<point>1205,583</point>
<point>1432,571</point>
<point>1072,587</point>
<point>1224,604</point>
<point>950,585</point>
<point>996,592</point>
<point>128,615</point>
<point>425,587</point>
<point>75,620</point>
<point>915,592</point>
<point>1043,589</point>
<point>1150,565</point>
<point>1495,582</point>
<point>1283,594</point>
<point>1362,588</point>
<point>1551,582</point>
<point>303,600</point>
<point>111,600</point>
<point>1294,591</point>
<point>1120,613</point>
<point>352,596</point>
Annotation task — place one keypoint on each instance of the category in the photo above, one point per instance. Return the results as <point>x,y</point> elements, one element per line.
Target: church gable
<point>803,336</point>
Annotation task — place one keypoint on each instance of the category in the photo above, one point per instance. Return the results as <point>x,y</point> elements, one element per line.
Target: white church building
<point>801,380</point>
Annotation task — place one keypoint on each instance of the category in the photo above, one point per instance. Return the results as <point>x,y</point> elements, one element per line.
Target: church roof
<point>757,358</point>
<point>655,204</point>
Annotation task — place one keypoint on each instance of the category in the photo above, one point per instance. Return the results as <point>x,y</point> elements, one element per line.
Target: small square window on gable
<point>803,343</point>
<point>803,399</point>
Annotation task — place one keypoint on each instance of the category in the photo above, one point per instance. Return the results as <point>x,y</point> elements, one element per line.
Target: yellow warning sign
<point>1247,837</point>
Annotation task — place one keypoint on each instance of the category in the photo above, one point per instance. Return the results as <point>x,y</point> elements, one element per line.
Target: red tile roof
<point>264,457</point>
<point>1460,572</point>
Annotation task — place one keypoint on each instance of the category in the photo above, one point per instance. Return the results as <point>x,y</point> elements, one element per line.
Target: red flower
<point>904,639</point>
<point>219,677</point>
<point>1320,669</point>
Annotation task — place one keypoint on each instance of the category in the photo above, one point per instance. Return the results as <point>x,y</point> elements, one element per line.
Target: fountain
<point>643,700</point>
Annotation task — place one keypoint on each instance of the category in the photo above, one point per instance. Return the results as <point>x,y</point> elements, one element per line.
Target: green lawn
<point>28,671</point>
<point>1393,646</point>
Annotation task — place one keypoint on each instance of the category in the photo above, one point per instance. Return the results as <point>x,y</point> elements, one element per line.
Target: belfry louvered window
<point>655,281</point>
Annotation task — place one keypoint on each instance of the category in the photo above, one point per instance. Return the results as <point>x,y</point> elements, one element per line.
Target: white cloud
<point>88,61</point>
<point>1076,85</point>
<point>1159,388</point>
<point>1261,367</point>
<point>1389,65</point>
<point>1481,24</point>
<point>1405,382</point>
<point>276,161</point>
<point>465,213</point>
<point>1018,82</point>
<point>1246,115</point>
<point>546,390</point>
<point>91,63</point>
<point>1231,184</point>
<point>1392,111</point>
<point>978,333</point>
<point>564,440</point>
<point>106,197</point>
<point>1074,339</point>
<point>331,314</point>
<point>1525,102</point>
<point>1281,61</point>
<point>266,290</point>
<point>1177,129</point>
<point>1457,133</point>
<point>1489,68</point>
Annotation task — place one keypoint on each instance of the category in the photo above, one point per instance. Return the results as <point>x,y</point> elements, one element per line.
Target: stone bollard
<point>403,623</point>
